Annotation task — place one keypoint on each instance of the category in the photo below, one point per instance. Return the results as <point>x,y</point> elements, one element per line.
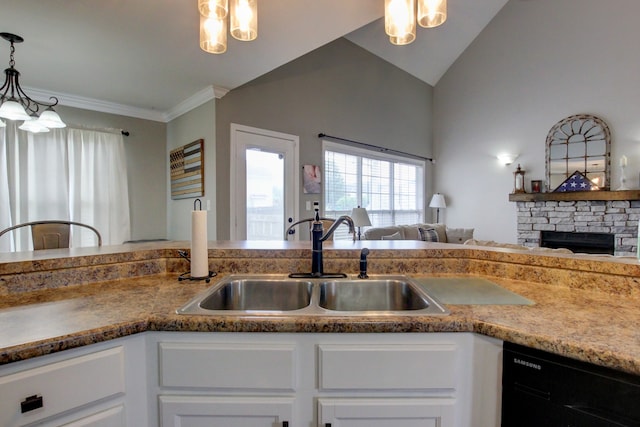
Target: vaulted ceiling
<point>144,54</point>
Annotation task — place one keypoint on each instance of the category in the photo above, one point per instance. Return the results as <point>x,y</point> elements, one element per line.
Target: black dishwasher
<point>540,389</point>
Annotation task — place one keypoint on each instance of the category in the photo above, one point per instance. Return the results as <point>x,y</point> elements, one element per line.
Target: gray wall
<point>536,63</point>
<point>191,126</point>
<point>146,166</point>
<point>338,89</point>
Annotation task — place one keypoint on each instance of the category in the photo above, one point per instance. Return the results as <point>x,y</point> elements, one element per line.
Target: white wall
<point>191,126</point>
<point>537,62</point>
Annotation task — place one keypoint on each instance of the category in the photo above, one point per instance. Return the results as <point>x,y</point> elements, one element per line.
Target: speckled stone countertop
<point>586,307</point>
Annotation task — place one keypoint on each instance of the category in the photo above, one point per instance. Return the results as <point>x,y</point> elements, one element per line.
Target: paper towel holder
<point>197,205</point>
<point>187,275</point>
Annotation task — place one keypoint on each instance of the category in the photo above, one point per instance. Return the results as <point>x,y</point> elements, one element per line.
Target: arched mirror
<point>579,143</point>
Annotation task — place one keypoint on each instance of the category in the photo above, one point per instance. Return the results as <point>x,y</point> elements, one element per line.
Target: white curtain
<point>69,174</point>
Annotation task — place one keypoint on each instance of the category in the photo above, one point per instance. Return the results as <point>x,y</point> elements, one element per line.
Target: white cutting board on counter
<point>470,290</point>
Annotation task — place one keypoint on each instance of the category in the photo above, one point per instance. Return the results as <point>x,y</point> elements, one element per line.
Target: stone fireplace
<point>616,217</point>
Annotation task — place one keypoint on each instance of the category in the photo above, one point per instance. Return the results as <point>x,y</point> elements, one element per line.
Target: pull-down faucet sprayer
<point>318,236</point>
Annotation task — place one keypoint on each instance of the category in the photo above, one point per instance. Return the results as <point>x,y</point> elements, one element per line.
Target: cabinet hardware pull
<point>31,403</point>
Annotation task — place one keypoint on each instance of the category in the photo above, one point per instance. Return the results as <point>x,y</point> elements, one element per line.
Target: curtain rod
<point>375,147</point>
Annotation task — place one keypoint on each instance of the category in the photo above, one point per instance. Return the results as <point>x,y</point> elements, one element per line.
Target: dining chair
<point>51,234</point>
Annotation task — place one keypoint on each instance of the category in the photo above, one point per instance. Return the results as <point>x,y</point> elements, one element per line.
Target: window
<point>391,188</point>
<point>66,174</point>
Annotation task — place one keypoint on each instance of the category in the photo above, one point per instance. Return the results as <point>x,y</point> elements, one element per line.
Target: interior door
<point>264,183</point>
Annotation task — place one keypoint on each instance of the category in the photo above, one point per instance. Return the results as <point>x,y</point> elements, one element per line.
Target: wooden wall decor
<point>187,170</point>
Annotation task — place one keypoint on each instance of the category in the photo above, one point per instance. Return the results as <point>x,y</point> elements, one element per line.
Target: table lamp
<point>437,201</point>
<point>360,218</point>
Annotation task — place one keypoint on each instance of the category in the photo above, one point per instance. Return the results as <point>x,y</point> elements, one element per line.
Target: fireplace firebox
<point>590,243</point>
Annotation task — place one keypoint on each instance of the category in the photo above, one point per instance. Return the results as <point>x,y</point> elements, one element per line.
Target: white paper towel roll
<point>199,250</point>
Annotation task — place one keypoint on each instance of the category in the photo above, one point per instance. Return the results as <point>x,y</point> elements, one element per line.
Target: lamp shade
<point>213,8</point>
<point>360,217</point>
<point>50,119</point>
<point>437,201</point>
<point>33,126</point>
<point>213,34</point>
<point>432,13</point>
<point>12,110</point>
<point>243,24</point>
<point>400,20</point>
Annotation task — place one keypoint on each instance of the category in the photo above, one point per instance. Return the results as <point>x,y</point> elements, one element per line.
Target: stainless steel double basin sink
<point>278,295</point>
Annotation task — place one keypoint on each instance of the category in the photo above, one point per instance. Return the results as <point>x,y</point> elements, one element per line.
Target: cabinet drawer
<point>61,386</point>
<point>387,367</point>
<point>113,417</point>
<point>228,366</point>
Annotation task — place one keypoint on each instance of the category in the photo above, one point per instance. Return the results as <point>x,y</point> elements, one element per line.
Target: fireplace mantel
<point>576,195</point>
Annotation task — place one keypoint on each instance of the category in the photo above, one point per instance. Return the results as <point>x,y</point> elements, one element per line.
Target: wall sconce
<point>437,201</point>
<point>507,158</point>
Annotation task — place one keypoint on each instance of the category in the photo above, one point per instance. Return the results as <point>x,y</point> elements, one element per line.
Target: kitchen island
<point>114,309</point>
<point>586,307</point>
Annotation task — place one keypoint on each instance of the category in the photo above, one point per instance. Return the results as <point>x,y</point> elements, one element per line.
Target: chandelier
<point>15,104</point>
<point>400,17</point>
<point>243,22</point>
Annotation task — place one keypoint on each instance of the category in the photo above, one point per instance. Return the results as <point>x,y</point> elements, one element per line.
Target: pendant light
<point>15,104</point>
<point>213,34</point>
<point>243,22</point>
<point>432,13</point>
<point>400,20</point>
<point>213,8</point>
<point>244,19</point>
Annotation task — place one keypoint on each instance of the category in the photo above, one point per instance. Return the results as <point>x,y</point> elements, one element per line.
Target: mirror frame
<point>579,132</point>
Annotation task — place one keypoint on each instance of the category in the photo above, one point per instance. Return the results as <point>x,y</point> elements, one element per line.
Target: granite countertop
<point>592,324</point>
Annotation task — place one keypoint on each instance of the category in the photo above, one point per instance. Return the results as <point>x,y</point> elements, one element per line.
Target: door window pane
<point>265,191</point>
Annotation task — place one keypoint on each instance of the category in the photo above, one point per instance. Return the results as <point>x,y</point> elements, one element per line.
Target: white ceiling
<point>143,55</point>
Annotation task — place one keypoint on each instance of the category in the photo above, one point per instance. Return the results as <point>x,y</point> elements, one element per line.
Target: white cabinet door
<point>386,412</point>
<point>211,411</point>
<point>113,417</point>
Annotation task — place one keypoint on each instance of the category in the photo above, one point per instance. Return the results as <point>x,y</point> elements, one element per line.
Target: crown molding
<point>92,104</point>
<point>196,100</point>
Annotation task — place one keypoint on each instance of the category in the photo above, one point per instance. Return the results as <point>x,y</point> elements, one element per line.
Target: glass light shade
<point>244,19</point>
<point>400,20</point>
<point>400,41</point>
<point>12,110</point>
<point>213,8</point>
<point>50,119</point>
<point>213,35</point>
<point>432,13</point>
<point>360,217</point>
<point>437,201</point>
<point>33,126</point>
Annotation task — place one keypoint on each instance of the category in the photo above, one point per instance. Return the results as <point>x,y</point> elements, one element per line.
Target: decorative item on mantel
<point>577,182</point>
<point>536,186</point>
<point>623,178</point>
<point>518,181</point>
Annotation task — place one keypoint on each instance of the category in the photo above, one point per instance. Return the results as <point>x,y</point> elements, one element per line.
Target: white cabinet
<point>213,411</point>
<point>113,417</point>
<point>85,387</point>
<point>386,412</point>
<point>227,383</point>
<point>317,379</point>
